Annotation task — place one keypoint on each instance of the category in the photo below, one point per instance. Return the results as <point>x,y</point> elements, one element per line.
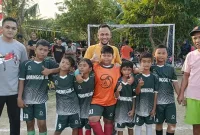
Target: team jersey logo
<point>56,82</point>
<point>106,81</point>
<point>29,67</point>
<point>79,87</point>
<point>173,117</point>
<point>41,113</point>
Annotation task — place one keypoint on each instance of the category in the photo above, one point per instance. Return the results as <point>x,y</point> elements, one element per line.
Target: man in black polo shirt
<point>58,51</point>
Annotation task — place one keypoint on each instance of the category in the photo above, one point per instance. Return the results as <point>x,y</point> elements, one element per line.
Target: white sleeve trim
<point>22,79</point>
<point>156,92</point>
<point>174,80</point>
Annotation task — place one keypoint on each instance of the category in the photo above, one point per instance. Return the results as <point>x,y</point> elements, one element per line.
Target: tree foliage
<point>80,13</point>
<point>183,13</point>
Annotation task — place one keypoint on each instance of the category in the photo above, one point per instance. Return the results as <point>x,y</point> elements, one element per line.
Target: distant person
<point>63,40</point>
<point>185,49</point>
<point>58,50</point>
<point>32,45</point>
<point>70,50</point>
<point>126,51</point>
<point>20,38</point>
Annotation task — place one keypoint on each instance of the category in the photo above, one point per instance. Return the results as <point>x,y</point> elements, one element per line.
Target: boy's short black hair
<point>126,63</point>
<point>126,42</point>
<point>62,39</point>
<point>161,47</point>
<point>104,26</point>
<point>71,60</point>
<point>145,55</point>
<point>9,19</point>
<point>19,36</point>
<point>88,61</point>
<point>42,42</point>
<point>107,49</point>
<point>69,41</point>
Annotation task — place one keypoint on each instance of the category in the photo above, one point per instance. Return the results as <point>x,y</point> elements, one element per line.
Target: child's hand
<point>131,113</point>
<point>79,78</point>
<point>153,113</point>
<point>21,103</point>
<point>130,79</point>
<point>180,98</point>
<point>140,69</point>
<point>119,87</point>
<point>46,71</point>
<point>141,82</point>
<point>95,58</point>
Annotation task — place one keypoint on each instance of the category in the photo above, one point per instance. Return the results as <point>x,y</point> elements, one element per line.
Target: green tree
<point>183,13</point>
<point>80,13</point>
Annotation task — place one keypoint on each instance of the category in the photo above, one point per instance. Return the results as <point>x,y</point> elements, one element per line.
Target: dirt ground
<point>182,129</point>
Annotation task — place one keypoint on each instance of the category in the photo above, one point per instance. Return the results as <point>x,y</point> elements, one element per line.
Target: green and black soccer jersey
<point>166,74</point>
<point>85,91</point>
<point>66,99</point>
<point>35,83</point>
<point>124,103</point>
<point>145,100</point>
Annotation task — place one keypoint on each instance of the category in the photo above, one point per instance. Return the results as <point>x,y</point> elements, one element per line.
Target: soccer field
<point>182,129</point>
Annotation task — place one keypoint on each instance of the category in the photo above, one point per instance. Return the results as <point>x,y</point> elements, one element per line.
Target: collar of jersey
<point>63,77</point>
<point>125,83</point>
<point>85,80</point>
<point>38,62</point>
<point>146,75</point>
<point>160,65</point>
<point>110,66</point>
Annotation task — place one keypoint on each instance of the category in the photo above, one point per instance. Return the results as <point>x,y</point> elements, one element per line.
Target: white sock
<point>138,130</point>
<point>148,129</point>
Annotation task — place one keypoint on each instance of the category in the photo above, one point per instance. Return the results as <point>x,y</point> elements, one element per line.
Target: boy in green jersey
<point>33,94</point>
<point>85,92</point>
<point>125,107</point>
<point>146,95</point>
<point>67,104</point>
<point>166,108</point>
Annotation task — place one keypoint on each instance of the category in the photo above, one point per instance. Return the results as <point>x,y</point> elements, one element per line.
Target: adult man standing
<point>94,51</point>
<point>32,45</point>
<point>190,81</point>
<point>58,51</point>
<point>71,50</point>
<point>12,53</point>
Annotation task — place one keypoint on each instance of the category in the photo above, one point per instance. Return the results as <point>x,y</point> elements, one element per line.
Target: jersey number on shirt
<point>91,111</point>
<point>25,116</point>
